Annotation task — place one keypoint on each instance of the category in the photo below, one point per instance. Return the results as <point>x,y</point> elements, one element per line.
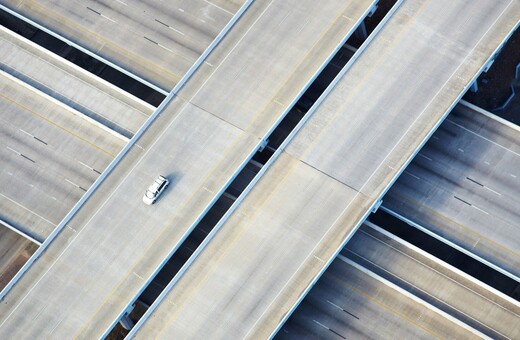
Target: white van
<point>155,190</point>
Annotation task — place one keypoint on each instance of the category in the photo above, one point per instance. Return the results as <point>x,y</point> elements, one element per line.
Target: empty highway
<point>431,280</point>
<point>108,252</point>
<point>50,156</point>
<point>319,189</point>
<point>154,40</point>
<point>350,302</point>
<point>464,185</point>
<point>71,85</point>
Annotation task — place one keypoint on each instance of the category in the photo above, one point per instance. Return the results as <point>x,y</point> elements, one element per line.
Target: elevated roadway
<point>71,85</point>
<point>109,251</point>
<point>459,295</point>
<point>50,155</point>
<point>464,186</point>
<point>349,301</point>
<point>314,193</point>
<point>157,41</point>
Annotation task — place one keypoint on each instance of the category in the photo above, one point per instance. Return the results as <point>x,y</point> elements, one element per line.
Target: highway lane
<point>111,248</point>
<point>350,302</point>
<point>464,186</point>
<point>50,156</point>
<point>437,283</point>
<point>158,41</point>
<point>71,85</point>
<point>312,197</point>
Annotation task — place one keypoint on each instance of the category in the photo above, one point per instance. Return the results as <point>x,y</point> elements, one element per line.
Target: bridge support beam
<point>474,86</point>
<point>361,32</point>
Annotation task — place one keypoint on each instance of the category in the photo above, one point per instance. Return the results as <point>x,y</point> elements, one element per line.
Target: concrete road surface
<point>71,85</point>
<point>350,302</point>
<point>156,40</point>
<point>314,195</point>
<point>50,156</point>
<point>465,186</point>
<point>457,294</point>
<point>110,249</point>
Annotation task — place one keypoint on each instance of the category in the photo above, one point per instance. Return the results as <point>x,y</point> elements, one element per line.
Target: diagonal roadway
<point>308,203</point>
<point>111,248</point>
<point>464,186</point>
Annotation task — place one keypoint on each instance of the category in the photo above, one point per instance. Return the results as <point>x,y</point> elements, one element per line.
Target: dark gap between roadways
<point>447,254</point>
<point>81,59</point>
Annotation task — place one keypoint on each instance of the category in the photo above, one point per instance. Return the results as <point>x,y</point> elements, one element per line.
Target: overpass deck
<point>315,193</point>
<point>108,252</point>
<point>353,302</point>
<point>155,41</point>
<point>50,156</point>
<point>71,85</point>
<point>466,179</point>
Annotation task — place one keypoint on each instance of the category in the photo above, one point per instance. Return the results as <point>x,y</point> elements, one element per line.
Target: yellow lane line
<point>381,304</point>
<point>228,247</point>
<point>442,216</point>
<point>185,203</point>
<point>167,227</point>
<point>296,68</point>
<point>366,75</point>
<point>56,125</point>
<point>114,45</point>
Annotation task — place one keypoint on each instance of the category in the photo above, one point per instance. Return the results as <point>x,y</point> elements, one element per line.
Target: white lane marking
<point>423,156</point>
<point>27,133</point>
<point>139,276</point>
<point>484,138</point>
<point>24,207</point>
<point>122,181</point>
<point>322,325</point>
<point>222,9</point>
<point>335,305</point>
<point>202,20</point>
<point>71,182</point>
<point>421,263</point>
<point>380,164</point>
<point>121,2</point>
<point>13,150</point>
<point>474,206</point>
<point>211,65</point>
<point>176,30</point>
<point>484,186</point>
<point>493,191</point>
<point>166,48</point>
<point>104,16</point>
<point>487,163</point>
<point>514,176</point>
<point>181,10</point>
<point>410,174</point>
<point>461,150</point>
<point>430,294</point>
<point>86,166</point>
<point>435,137</point>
